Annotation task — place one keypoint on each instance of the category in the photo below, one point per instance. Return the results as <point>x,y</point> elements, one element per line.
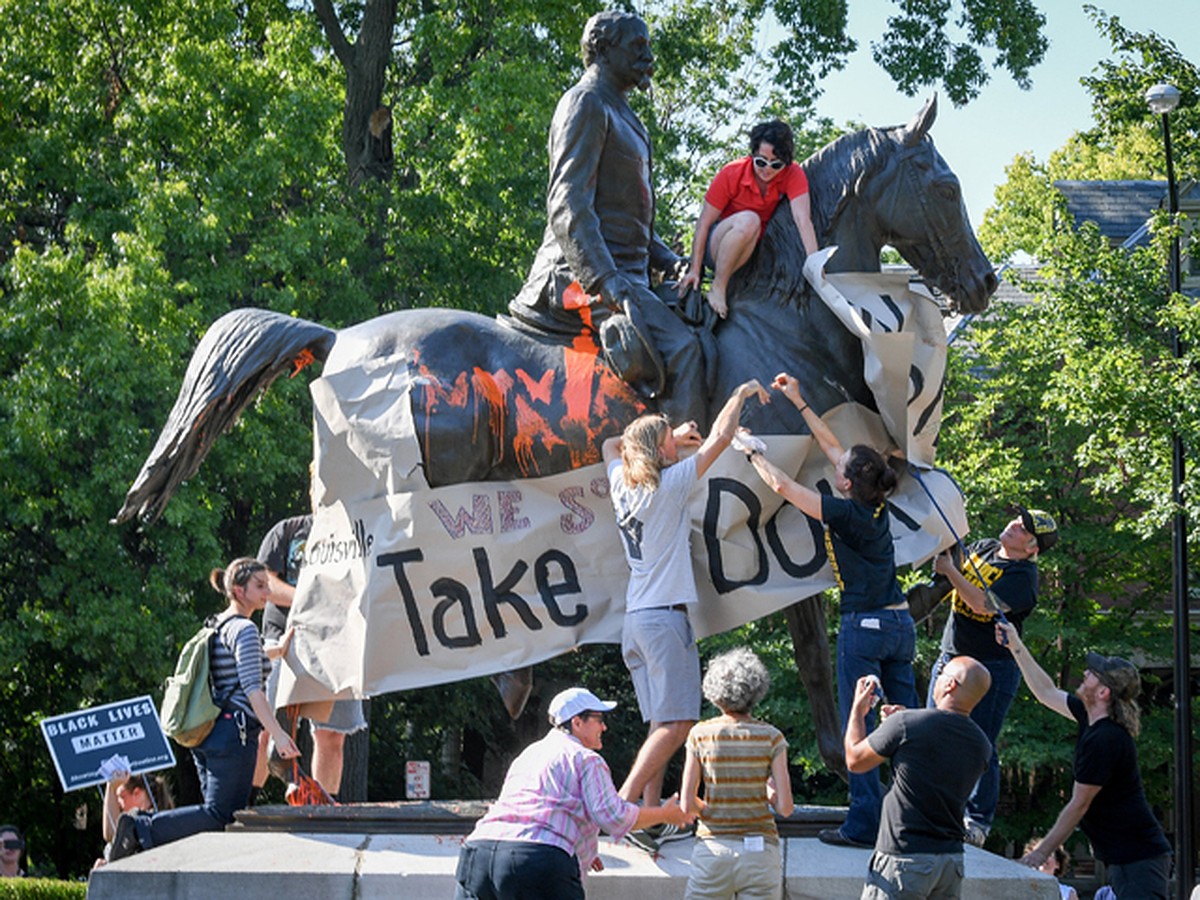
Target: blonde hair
<point>1125,713</point>
<point>639,451</point>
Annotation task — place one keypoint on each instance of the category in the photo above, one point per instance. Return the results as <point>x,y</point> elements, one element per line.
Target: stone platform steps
<point>369,866</point>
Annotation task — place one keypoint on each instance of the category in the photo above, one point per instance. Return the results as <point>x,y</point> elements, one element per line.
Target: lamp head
<point>1162,98</point>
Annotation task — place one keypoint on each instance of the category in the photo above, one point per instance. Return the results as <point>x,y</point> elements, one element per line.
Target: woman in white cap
<point>541,835</point>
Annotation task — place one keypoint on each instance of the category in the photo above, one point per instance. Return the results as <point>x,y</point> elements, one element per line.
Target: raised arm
<point>860,757</point>
<point>611,450</point>
<point>112,809</point>
<point>1040,684</point>
<point>726,425</point>
<point>969,593</point>
<point>805,499</point>
<point>1068,820</point>
<point>790,388</point>
<point>282,593</point>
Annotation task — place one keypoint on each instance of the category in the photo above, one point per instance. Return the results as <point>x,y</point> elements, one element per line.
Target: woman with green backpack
<point>225,759</point>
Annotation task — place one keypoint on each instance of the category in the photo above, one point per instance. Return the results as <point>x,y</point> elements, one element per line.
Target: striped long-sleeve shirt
<point>236,661</point>
<point>735,758</point>
<point>558,792</point>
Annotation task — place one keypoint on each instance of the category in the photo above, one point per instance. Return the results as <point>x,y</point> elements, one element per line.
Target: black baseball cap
<point>1119,675</point>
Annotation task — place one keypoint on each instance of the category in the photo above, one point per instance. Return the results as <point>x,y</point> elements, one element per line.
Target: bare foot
<point>716,299</point>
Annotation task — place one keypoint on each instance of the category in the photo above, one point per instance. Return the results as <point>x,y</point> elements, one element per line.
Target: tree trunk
<point>366,122</point>
<point>810,650</point>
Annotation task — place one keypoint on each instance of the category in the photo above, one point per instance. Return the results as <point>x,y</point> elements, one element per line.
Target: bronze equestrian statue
<point>497,400</point>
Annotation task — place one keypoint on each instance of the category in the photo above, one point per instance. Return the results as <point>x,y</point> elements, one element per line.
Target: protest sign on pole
<point>81,741</point>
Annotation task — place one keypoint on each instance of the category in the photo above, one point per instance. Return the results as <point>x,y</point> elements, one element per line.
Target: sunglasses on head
<point>243,573</point>
<point>14,844</point>
<point>763,163</point>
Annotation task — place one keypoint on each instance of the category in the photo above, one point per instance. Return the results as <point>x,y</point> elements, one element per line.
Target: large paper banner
<point>80,741</point>
<point>407,586</point>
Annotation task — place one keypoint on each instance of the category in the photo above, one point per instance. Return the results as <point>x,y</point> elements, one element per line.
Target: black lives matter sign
<point>80,741</point>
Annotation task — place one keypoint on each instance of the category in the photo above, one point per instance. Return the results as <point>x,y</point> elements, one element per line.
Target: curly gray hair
<point>736,680</point>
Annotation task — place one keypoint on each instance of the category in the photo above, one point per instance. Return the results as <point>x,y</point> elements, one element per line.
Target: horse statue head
<point>890,186</point>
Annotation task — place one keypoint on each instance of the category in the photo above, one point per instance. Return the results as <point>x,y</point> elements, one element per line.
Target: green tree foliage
<point>163,165</point>
<point>1118,86</point>
<point>927,42</point>
<point>1070,403</point>
<point>1125,141</point>
<point>41,889</point>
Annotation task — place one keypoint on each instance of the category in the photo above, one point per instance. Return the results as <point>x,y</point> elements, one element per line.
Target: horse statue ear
<point>916,130</point>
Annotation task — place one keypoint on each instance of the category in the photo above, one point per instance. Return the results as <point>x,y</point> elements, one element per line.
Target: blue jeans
<point>225,763</point>
<point>989,714</point>
<point>516,870</point>
<point>1146,879</point>
<point>882,643</point>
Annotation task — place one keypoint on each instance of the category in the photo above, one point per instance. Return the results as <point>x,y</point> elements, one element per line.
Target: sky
<point>980,139</point>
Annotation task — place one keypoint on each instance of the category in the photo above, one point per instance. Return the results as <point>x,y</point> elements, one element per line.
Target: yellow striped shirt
<point>735,759</point>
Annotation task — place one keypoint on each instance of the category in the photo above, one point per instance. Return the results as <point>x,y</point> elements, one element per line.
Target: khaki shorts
<point>659,648</point>
<point>729,867</point>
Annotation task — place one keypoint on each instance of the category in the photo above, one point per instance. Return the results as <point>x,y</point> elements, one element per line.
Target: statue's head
<point>620,43</point>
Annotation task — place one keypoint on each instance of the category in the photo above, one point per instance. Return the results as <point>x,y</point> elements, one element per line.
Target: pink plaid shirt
<point>558,792</point>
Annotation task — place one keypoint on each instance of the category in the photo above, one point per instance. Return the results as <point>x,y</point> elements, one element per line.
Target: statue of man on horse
<point>433,399</point>
<point>592,272</point>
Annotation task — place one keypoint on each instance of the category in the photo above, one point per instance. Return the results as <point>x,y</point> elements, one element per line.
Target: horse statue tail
<point>238,358</point>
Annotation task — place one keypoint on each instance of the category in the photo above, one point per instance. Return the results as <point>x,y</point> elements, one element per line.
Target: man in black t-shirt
<point>1107,799</point>
<point>937,756</point>
<point>998,575</point>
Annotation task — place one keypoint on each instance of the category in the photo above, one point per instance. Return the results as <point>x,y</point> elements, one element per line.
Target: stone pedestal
<point>361,866</point>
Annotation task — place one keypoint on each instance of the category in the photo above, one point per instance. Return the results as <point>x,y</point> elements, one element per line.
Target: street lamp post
<point>1162,98</point>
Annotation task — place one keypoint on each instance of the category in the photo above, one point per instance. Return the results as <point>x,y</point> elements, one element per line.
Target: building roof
<point>1118,208</point>
<point>1123,209</point>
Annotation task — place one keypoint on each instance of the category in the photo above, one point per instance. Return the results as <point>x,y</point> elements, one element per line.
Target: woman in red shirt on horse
<point>739,203</point>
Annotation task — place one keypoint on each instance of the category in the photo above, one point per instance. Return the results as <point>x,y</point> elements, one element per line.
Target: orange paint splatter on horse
<point>531,427</point>
<point>492,390</point>
<point>580,362</point>
<point>533,418</point>
<point>540,389</point>
<point>434,393</point>
<point>303,359</point>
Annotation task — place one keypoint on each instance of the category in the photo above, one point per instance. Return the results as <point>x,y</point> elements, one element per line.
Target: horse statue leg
<point>810,649</point>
